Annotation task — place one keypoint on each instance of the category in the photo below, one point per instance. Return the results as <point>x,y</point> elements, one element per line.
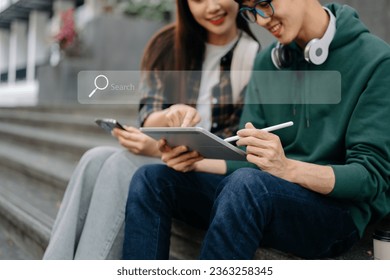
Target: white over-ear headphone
<point>316,51</point>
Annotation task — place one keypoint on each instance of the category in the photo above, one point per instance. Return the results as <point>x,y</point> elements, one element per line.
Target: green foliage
<point>150,9</point>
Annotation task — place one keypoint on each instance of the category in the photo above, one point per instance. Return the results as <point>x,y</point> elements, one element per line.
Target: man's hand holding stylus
<point>264,149</point>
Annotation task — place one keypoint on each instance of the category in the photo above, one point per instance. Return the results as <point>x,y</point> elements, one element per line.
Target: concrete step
<point>38,193</point>
<point>84,123</point>
<point>28,207</point>
<point>38,152</point>
<point>57,143</point>
<point>27,225</point>
<point>9,250</point>
<point>34,164</point>
<point>113,111</point>
<point>31,189</point>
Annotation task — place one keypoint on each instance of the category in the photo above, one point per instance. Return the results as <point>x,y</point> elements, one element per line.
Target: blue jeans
<point>244,210</point>
<point>157,194</point>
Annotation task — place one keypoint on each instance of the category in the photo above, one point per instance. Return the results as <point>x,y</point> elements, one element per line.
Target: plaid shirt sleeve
<point>152,92</point>
<point>225,114</point>
<point>154,98</point>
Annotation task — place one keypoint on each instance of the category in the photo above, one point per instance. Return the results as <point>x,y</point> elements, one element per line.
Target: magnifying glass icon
<point>97,87</point>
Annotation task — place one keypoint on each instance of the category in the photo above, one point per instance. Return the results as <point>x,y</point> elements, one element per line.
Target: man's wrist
<point>291,171</point>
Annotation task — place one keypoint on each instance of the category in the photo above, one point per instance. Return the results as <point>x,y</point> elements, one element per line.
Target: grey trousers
<point>90,221</point>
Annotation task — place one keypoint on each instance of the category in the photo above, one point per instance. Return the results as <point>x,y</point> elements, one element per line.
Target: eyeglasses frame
<point>255,11</point>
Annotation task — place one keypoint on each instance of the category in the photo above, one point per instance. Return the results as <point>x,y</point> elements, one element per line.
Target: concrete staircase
<point>39,148</point>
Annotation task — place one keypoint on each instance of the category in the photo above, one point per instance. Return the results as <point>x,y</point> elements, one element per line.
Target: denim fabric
<point>245,210</point>
<point>254,208</point>
<point>157,194</point>
<point>90,221</point>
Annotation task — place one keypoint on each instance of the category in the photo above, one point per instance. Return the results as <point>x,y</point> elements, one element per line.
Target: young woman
<point>207,35</point>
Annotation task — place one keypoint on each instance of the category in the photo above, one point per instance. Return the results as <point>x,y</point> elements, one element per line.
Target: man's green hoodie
<point>352,136</point>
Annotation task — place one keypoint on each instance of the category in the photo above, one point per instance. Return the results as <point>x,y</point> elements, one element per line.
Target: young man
<point>313,188</point>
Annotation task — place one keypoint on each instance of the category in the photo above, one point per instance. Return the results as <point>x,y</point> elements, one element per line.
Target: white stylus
<point>270,128</point>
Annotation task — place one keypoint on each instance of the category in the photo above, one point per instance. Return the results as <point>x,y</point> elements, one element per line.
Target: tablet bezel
<point>199,139</point>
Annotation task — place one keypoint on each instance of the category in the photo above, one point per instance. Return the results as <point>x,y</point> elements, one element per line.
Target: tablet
<point>196,139</point>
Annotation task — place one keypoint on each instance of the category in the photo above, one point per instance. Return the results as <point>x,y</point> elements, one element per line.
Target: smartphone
<point>109,124</point>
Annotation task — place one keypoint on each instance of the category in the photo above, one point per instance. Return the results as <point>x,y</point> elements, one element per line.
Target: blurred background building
<point>44,44</point>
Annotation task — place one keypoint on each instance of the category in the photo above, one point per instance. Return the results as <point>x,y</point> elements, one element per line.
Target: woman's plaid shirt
<point>225,114</point>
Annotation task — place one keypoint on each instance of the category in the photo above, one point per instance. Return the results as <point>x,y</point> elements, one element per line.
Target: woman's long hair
<point>180,46</point>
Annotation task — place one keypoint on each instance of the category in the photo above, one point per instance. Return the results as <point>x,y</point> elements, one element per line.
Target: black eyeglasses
<point>263,8</point>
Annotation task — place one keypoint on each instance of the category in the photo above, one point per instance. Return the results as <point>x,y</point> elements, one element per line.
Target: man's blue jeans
<point>241,212</point>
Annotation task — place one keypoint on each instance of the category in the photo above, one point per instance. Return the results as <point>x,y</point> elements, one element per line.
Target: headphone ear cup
<point>316,51</point>
<point>281,56</point>
<point>275,57</point>
<point>285,56</point>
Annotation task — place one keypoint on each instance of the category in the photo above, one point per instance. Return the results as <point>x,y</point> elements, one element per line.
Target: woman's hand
<point>181,115</point>
<point>136,142</point>
<point>178,115</point>
<point>178,158</point>
<point>265,150</point>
